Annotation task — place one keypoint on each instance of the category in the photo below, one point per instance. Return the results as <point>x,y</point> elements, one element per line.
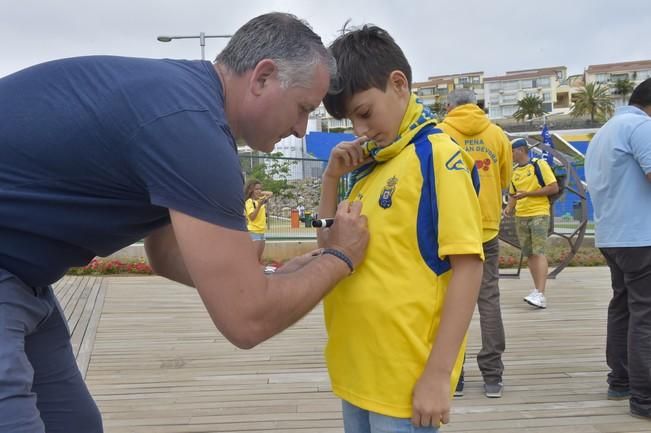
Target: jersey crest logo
<point>385,198</point>
<point>456,162</point>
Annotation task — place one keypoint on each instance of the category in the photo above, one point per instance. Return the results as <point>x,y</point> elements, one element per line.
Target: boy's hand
<point>345,157</point>
<point>431,401</point>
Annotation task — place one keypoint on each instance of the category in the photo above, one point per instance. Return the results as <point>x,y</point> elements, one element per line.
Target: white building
<point>502,93</point>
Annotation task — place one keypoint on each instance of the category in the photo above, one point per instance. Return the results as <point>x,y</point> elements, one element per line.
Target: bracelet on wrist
<point>340,255</point>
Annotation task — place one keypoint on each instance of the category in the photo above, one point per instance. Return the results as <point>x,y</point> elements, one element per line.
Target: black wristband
<point>340,256</point>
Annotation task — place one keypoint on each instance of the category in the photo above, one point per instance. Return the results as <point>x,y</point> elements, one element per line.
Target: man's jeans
<point>493,343</point>
<point>41,388</point>
<point>628,343</point>
<point>357,420</point>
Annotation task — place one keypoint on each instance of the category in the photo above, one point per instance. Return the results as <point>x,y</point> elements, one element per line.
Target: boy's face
<point>377,114</point>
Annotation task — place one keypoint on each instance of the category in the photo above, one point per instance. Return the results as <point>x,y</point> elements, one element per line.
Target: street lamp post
<point>202,40</point>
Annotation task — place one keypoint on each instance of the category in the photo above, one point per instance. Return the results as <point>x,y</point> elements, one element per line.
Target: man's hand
<point>431,401</point>
<point>346,157</point>
<point>508,211</point>
<point>349,233</point>
<point>520,194</point>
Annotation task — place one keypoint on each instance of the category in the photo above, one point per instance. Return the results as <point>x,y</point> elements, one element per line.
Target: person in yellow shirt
<point>255,208</point>
<point>490,148</point>
<point>396,326</point>
<point>532,183</point>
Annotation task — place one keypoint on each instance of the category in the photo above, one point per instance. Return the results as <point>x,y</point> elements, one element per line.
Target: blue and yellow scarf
<point>416,116</point>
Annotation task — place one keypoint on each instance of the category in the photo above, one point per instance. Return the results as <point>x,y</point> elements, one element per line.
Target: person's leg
<point>539,268</point>
<point>636,264</point>
<point>523,231</point>
<point>537,262</point>
<point>489,357</point>
<point>617,328</point>
<point>63,399</point>
<point>356,420</point>
<point>260,247</point>
<point>20,313</point>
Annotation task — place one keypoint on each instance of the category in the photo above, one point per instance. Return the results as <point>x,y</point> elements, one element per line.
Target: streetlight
<point>202,40</point>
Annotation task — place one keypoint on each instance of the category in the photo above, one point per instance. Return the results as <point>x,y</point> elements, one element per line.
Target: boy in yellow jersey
<point>396,326</point>
<point>532,183</point>
<point>487,144</point>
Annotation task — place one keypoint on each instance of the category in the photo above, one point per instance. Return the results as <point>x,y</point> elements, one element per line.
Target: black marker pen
<point>324,222</point>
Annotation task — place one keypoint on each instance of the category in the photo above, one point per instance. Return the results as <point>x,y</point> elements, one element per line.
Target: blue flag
<point>547,139</point>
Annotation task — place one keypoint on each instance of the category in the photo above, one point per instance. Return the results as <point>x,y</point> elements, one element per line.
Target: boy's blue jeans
<point>357,420</point>
<point>41,388</point>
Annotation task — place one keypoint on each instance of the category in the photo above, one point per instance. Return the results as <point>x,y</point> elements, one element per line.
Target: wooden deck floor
<point>159,366</point>
<point>82,299</point>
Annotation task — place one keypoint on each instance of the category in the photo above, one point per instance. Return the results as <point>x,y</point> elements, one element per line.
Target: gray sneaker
<point>493,390</point>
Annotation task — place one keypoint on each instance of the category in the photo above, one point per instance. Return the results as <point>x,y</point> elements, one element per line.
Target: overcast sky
<point>438,37</point>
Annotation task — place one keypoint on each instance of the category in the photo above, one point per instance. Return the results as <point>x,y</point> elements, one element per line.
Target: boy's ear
<point>262,73</point>
<point>398,81</point>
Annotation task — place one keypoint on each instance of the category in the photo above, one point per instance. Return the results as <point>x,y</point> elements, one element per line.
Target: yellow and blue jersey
<point>422,207</point>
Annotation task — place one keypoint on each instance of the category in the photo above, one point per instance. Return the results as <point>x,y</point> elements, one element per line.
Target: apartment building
<point>609,73</point>
<point>435,90</point>
<point>329,123</point>
<point>502,93</point>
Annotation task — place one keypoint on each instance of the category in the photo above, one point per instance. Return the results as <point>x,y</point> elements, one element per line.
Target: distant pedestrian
<point>255,208</point>
<point>532,183</point>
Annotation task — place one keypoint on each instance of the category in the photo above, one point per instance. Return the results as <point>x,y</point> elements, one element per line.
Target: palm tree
<point>529,107</point>
<point>623,87</point>
<point>593,99</point>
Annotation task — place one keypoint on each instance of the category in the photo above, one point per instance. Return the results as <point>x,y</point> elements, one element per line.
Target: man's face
<point>377,114</point>
<point>279,112</point>
<point>520,153</point>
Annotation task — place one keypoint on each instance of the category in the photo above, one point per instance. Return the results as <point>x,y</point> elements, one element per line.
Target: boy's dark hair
<point>642,94</point>
<point>365,58</point>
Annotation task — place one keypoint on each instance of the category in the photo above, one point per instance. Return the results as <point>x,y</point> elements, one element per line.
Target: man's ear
<point>398,81</point>
<point>264,71</point>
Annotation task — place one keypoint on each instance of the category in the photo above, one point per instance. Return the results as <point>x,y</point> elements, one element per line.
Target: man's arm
<point>506,161</point>
<point>245,305</point>
<point>546,190</point>
<point>165,257</point>
<point>510,205</point>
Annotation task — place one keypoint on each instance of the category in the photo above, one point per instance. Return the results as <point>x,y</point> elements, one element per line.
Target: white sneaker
<point>536,298</point>
<point>531,296</point>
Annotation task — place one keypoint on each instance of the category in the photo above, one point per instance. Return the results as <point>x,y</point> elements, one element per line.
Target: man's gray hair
<point>461,96</point>
<point>283,38</point>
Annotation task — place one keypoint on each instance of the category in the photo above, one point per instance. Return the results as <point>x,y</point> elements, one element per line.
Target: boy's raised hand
<point>346,157</point>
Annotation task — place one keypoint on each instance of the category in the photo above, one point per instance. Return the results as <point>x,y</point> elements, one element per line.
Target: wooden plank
<point>87,343</point>
<point>81,299</point>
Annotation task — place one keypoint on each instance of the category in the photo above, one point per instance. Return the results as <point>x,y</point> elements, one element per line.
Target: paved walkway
<point>159,366</point>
